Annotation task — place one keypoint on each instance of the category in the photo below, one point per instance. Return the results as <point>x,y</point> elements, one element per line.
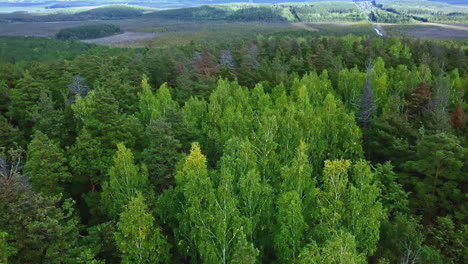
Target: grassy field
<point>432,11</point>
<point>428,31</point>
<point>238,21</point>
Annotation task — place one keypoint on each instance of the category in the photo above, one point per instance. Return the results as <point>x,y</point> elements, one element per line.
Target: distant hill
<point>148,3</point>
<point>453,2</point>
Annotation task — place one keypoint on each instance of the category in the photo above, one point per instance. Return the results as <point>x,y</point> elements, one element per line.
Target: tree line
<point>88,32</point>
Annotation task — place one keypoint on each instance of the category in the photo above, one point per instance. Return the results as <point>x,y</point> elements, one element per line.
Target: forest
<point>88,31</point>
<point>279,149</point>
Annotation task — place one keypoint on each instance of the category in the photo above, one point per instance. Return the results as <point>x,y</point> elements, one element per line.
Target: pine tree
<point>46,166</point>
<point>9,135</point>
<point>4,97</point>
<point>99,114</point>
<point>40,229</point>
<point>5,249</point>
<point>48,119</point>
<point>439,159</point>
<point>161,153</point>
<point>23,100</point>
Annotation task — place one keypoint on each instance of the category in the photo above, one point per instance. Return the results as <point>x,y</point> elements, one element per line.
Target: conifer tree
<point>161,153</point>
<point>48,119</point>
<point>9,135</point>
<point>23,100</point>
<point>46,166</point>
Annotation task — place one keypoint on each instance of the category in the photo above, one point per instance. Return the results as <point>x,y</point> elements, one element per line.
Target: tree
<point>392,137</point>
<point>367,106</point>
<point>210,222</point>
<point>298,177</point>
<point>439,103</point>
<point>393,197</point>
<point>364,211</point>
<point>458,119</point>
<point>339,248</point>
<point>99,114</point>
<point>78,87</point>
<point>138,240</point>
<point>126,180</point>
<point>4,97</point>
<point>419,101</point>
<point>349,200</point>
<point>450,237</point>
<point>439,161</point>
<point>402,241</point>
<point>155,106</point>
<point>289,237</point>
<point>9,135</point>
<point>23,100</point>
<point>350,83</point>
<point>48,119</point>
<point>334,133</point>
<point>124,93</point>
<point>40,229</point>
<point>89,163</point>
<point>5,249</point>
<point>380,82</point>
<point>46,166</point>
<point>205,64</point>
<point>161,153</point>
<point>253,194</point>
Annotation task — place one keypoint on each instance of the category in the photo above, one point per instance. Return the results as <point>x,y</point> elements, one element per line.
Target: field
<point>143,26</point>
<point>428,31</point>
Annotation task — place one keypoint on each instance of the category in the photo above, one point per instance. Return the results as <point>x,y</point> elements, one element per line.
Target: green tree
<point>364,211</point>
<point>254,195</point>
<point>161,153</point>
<point>137,237</point>
<point>439,160</point>
<point>9,135</point>
<point>451,238</point>
<point>350,86</point>
<point>210,220</point>
<point>46,166</point>
<point>155,106</point>
<point>126,180</point>
<point>99,114</point>
<point>289,237</point>
<point>334,133</point>
<point>4,97</point>
<point>48,119</point>
<point>380,81</point>
<point>24,98</point>
<point>349,200</point>
<point>339,248</point>
<point>5,249</point>
<point>40,229</point>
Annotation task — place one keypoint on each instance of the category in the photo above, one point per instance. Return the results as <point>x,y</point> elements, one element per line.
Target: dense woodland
<point>276,150</point>
<point>88,31</point>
